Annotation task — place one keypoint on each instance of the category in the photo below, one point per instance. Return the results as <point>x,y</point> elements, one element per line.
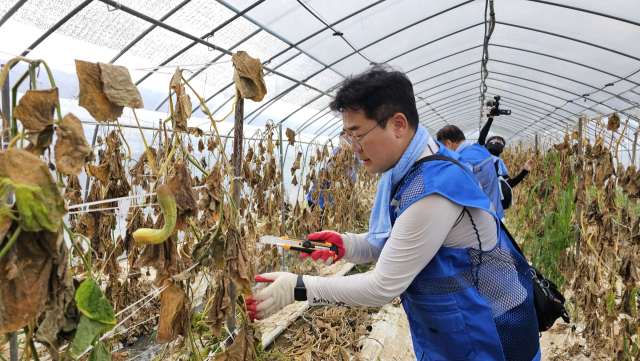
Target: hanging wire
<point>484,73</point>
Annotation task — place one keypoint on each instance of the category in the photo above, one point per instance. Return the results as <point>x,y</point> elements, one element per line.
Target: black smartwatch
<point>300,292</point>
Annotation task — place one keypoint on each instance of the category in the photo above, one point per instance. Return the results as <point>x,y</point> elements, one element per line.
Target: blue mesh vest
<point>467,304</point>
<point>481,163</point>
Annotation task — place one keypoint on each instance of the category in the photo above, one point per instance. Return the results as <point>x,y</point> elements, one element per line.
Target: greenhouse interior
<point>190,180</point>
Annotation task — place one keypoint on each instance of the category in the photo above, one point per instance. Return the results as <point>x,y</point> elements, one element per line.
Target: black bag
<point>547,300</point>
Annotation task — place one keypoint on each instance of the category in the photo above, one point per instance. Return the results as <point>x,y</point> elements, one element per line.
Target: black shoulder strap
<point>513,241</point>
<point>431,158</point>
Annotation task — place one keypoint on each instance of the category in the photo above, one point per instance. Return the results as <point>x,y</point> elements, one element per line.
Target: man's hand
<point>274,297</point>
<point>325,256</point>
<point>528,165</point>
<point>489,112</point>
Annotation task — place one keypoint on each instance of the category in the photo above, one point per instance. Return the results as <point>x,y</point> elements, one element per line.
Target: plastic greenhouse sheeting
<point>550,61</point>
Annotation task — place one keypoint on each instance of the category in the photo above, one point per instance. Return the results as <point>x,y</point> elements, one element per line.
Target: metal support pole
<point>6,113</point>
<point>284,263</point>
<point>235,195</point>
<point>579,207</point>
<point>633,157</point>
<point>535,150</point>
<point>6,110</point>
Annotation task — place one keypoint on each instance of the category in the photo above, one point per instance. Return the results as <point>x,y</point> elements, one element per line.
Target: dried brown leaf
<point>118,87</point>
<point>100,172</point>
<point>182,110</point>
<point>614,121</point>
<point>186,197</point>
<point>249,76</point>
<point>36,108</point>
<point>221,305</point>
<point>92,96</point>
<point>237,261</point>
<point>291,136</point>
<point>40,141</point>
<point>71,149</point>
<point>174,314</point>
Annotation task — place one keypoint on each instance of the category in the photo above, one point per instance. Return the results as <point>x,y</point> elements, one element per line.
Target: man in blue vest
<point>466,291</point>
<point>483,159</point>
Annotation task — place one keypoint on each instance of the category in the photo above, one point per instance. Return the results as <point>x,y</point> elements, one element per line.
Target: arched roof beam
<point>453,113</point>
<point>443,73</point>
<point>12,11</point>
<point>587,11</point>
<point>449,111</point>
<point>442,107</point>
<point>445,90</point>
<point>570,38</point>
<point>571,121</point>
<point>194,38</point>
<point>448,82</point>
<point>52,29</point>
<point>146,32</point>
<point>376,41</point>
<point>568,61</point>
<point>326,111</point>
<point>444,57</point>
<point>555,96</point>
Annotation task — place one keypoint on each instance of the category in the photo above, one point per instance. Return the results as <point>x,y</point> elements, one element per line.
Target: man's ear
<point>399,123</point>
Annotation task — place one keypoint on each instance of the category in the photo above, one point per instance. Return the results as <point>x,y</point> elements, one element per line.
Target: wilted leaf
<point>88,331</point>
<point>243,345</point>
<point>36,108</point>
<point>39,141</point>
<point>71,149</point>
<point>182,110</point>
<point>92,302</point>
<point>30,276</point>
<point>38,198</point>
<point>237,261</point>
<point>92,96</point>
<point>221,305</point>
<point>248,76</point>
<point>195,131</point>
<point>99,353</point>
<point>291,136</point>
<point>174,314</point>
<point>100,172</point>
<point>184,194</point>
<point>614,121</point>
<point>118,87</point>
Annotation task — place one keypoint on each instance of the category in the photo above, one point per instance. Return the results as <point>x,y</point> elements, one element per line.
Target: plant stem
<point>13,238</point>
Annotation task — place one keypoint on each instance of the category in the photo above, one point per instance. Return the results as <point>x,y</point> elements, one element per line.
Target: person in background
<point>485,163</point>
<point>467,293</point>
<point>322,203</point>
<point>495,145</point>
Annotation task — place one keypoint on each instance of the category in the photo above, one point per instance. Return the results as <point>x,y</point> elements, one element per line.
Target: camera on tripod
<point>496,111</point>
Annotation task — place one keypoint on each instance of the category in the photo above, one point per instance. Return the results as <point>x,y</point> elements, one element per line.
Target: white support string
<point>117,199</point>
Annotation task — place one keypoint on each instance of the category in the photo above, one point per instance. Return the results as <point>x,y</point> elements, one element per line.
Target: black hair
<point>380,92</point>
<point>450,132</point>
<point>499,138</point>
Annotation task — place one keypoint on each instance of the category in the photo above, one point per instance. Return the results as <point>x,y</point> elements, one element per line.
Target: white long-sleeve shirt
<point>425,226</point>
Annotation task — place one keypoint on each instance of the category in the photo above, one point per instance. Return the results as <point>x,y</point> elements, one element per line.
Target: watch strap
<point>300,292</point>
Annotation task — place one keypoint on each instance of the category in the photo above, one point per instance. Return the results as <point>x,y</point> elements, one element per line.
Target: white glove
<point>274,297</point>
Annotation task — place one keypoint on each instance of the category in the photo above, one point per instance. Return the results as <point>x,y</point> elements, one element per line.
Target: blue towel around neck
<point>464,145</point>
<point>380,220</point>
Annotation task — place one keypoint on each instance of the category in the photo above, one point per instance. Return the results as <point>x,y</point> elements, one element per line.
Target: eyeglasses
<point>348,140</point>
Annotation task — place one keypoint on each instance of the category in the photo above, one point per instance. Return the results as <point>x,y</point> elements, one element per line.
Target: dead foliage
<point>248,76</point>
<point>92,96</point>
<point>36,108</point>
<point>72,149</point>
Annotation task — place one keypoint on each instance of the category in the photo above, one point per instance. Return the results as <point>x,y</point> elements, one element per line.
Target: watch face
<point>300,293</point>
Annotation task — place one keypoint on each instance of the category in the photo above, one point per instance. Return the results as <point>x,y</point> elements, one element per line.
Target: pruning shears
<point>299,244</point>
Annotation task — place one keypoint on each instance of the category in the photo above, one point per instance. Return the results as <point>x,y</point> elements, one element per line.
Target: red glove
<point>325,256</point>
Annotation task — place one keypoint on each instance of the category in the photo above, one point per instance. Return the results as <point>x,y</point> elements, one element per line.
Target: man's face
<point>381,148</point>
